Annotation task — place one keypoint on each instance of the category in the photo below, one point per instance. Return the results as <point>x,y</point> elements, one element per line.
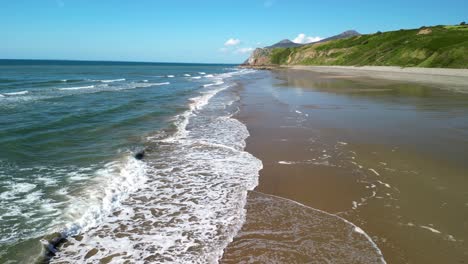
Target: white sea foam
<point>209,76</point>
<point>385,184</point>
<point>187,75</point>
<point>186,202</point>
<point>202,73</point>
<point>170,76</point>
<point>433,230</point>
<point>196,77</point>
<point>110,186</point>
<point>213,84</point>
<point>77,88</point>
<point>159,84</point>
<point>16,189</point>
<point>115,80</point>
<point>142,85</point>
<point>46,180</point>
<point>17,93</point>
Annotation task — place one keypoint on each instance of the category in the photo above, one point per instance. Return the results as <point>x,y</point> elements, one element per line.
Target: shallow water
<point>388,156</point>
<point>68,134</point>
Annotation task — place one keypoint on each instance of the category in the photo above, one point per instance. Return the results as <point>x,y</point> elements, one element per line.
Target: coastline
<point>456,79</point>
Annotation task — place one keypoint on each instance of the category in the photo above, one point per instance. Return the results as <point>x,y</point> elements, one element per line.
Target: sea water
<point>69,132</point>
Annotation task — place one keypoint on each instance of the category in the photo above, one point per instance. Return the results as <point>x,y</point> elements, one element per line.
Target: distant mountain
<point>260,56</point>
<point>285,43</point>
<point>346,34</point>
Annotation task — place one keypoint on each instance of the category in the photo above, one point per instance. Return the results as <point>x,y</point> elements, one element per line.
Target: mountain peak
<point>285,43</point>
<point>346,34</point>
<point>352,32</point>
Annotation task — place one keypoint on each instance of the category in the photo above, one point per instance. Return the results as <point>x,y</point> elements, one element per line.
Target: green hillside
<point>439,46</point>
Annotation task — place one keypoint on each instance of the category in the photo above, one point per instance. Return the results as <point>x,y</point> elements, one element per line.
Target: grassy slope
<point>445,47</point>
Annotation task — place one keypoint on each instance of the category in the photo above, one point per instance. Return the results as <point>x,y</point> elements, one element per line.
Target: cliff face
<point>439,46</point>
<point>262,56</point>
<point>259,57</point>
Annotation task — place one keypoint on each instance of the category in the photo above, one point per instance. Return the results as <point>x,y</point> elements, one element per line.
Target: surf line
<point>355,227</point>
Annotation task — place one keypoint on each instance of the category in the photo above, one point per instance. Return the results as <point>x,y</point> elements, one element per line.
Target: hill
<point>260,56</point>
<point>439,46</point>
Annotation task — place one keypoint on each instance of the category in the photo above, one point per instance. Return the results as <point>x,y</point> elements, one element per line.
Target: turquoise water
<point>68,134</point>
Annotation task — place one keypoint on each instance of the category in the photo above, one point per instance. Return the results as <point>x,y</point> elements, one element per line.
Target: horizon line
<point>121,61</point>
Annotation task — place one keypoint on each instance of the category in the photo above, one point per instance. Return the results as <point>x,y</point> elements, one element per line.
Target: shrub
<point>280,55</point>
<point>463,23</point>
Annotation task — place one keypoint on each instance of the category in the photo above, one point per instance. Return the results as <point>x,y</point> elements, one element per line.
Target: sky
<point>204,31</point>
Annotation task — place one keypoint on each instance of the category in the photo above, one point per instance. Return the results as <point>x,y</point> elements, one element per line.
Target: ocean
<point>69,133</point>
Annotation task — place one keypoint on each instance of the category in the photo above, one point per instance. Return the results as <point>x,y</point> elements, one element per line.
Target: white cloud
<point>303,39</point>
<point>232,42</point>
<point>244,50</point>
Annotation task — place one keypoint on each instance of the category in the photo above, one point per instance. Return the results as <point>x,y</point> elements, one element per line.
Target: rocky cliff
<point>438,46</point>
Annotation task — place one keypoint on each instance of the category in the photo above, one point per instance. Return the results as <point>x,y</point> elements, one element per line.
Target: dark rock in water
<point>140,155</point>
<point>51,243</point>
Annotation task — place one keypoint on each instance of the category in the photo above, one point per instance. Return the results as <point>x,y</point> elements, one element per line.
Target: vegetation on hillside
<point>439,46</point>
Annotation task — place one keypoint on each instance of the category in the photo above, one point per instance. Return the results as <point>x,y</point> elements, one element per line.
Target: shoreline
<point>455,79</point>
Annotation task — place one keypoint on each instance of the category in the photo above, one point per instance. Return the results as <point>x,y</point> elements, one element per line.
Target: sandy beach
<point>456,79</point>
<point>345,141</point>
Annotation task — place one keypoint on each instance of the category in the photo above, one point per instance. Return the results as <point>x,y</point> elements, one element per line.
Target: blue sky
<point>222,31</point>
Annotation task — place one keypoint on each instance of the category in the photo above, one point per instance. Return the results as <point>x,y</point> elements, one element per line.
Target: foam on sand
<point>279,230</point>
<point>286,162</point>
<point>433,230</point>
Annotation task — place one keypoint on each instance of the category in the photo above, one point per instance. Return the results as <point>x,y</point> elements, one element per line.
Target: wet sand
<point>455,79</point>
<point>388,156</point>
